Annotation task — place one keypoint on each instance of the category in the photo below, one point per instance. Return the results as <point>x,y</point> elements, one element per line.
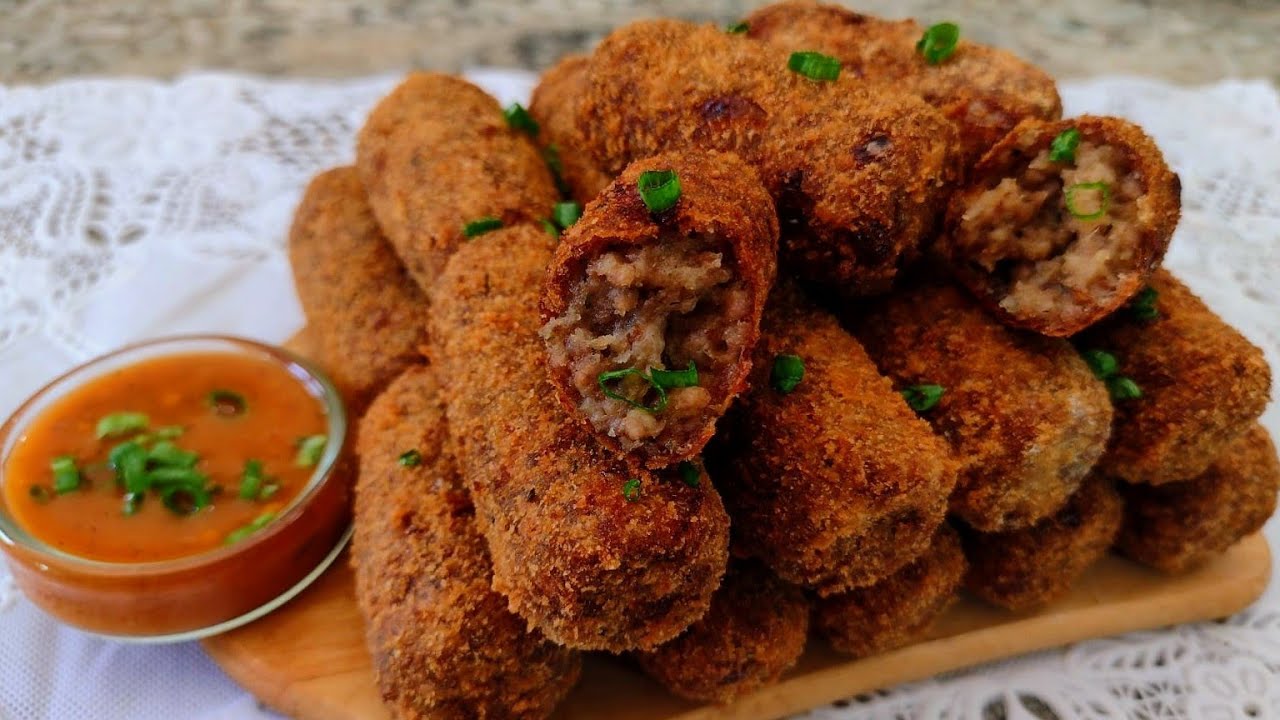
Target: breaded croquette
<point>555,107</point>
<point>1061,223</point>
<point>1027,568</point>
<point>1176,526</point>
<point>755,631</point>
<point>368,316</point>
<point>1202,384</point>
<point>651,318</point>
<point>443,643</point>
<point>898,610</point>
<point>1025,417</point>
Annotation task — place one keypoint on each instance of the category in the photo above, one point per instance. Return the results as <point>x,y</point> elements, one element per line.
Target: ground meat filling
<point>654,307</point>
<point>1038,235</point>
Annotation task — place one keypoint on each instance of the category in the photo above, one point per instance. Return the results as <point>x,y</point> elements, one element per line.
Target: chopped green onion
<point>814,65</point>
<point>550,227</point>
<point>169,432</point>
<point>166,454</point>
<point>519,119</point>
<point>1102,363</point>
<point>122,423</point>
<point>938,42</point>
<point>132,503</point>
<point>566,214</point>
<point>310,449</point>
<point>254,526</point>
<point>1104,200</point>
<point>737,28</point>
<point>129,460</point>
<point>659,189</point>
<point>1063,147</point>
<point>66,476</point>
<point>690,474</point>
<point>667,379</point>
<point>227,403</point>
<point>551,156</point>
<point>165,477</point>
<point>1123,388</point>
<point>269,491</point>
<point>40,494</point>
<point>251,480</point>
<point>631,489</point>
<point>788,371</point>
<point>606,377</point>
<point>1143,305</point>
<point>922,398</point>
<point>184,499</point>
<point>411,458</point>
<point>476,228</point>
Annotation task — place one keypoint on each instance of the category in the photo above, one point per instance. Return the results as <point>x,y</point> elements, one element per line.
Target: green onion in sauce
<point>251,480</point>
<point>310,449</point>
<point>227,403</point>
<point>121,424</point>
<point>66,476</point>
<point>254,526</point>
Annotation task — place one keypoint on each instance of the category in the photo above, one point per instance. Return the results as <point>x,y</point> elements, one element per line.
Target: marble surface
<point>1188,41</point>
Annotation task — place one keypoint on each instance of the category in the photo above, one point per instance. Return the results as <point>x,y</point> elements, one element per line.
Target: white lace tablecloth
<point>130,209</point>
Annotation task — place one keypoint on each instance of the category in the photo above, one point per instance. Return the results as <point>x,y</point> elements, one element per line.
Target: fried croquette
<point>1202,384</point>
<point>898,610</point>
<point>440,164</point>
<point>833,482</point>
<point>443,643</point>
<point>367,314</point>
<point>667,304</point>
<point>592,553</point>
<point>1024,415</point>
<point>554,106</point>
<point>1028,568</point>
<point>983,91</point>
<point>859,176</point>
<point>1063,222</point>
<point>1176,526</point>
<point>754,632</point>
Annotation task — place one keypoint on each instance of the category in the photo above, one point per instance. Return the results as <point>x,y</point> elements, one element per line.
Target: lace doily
<point>131,209</point>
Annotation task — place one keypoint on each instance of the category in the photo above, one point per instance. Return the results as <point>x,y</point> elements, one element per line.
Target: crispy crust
<point>1157,210</point>
<point>368,315</point>
<point>753,633</point>
<point>1031,567</point>
<point>859,176</point>
<point>436,154</point>
<point>1024,415</point>
<point>720,198</point>
<point>1203,385</point>
<point>555,106</point>
<point>443,643</point>
<point>1176,526</point>
<point>573,555</point>
<point>898,610</point>
<point>837,484</point>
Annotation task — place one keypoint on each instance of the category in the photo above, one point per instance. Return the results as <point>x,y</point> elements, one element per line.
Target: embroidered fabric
<point>132,208</point>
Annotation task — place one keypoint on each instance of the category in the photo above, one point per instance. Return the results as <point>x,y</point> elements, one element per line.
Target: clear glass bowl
<point>199,595</point>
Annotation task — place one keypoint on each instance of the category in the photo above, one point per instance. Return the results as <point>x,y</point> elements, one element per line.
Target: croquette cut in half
<point>1176,526</point>
<point>1202,384</point>
<point>1028,568</point>
<point>753,633</point>
<point>832,481</point>
<point>368,316</point>
<point>1024,415</point>
<point>859,175</point>
<point>554,105</point>
<point>595,554</point>
<point>444,644</point>
<point>900,609</point>
<point>651,317</point>
<point>1063,222</point>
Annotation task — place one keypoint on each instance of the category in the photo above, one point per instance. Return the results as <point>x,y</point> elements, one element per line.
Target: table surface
<point>1184,41</point>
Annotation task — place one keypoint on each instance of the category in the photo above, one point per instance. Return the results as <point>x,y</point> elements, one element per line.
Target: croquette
<point>667,304</point>
<point>1176,526</point>
<point>1024,415</point>
<point>753,633</point>
<point>1062,222</point>
<point>1028,568</point>
<point>594,554</point>
<point>368,316</point>
<point>859,175</point>
<point>554,106</point>
<point>444,644</point>
<point>833,482</point>
<point>898,610</point>
<point>1202,384</point>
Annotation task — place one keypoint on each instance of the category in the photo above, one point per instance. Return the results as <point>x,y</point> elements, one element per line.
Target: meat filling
<point>656,307</point>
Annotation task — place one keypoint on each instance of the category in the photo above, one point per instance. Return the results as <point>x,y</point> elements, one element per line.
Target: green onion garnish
<point>659,189</point>
<point>184,499</point>
<point>788,371</point>
<point>251,480</point>
<point>257,524</point>
<point>667,379</point>
<point>227,403</point>
<point>631,489</point>
<point>938,42</point>
<point>690,474</point>
<point>519,119</point>
<point>476,228</point>
<point>550,227</point>
<point>122,423</point>
<point>132,503</point>
<point>169,432</point>
<point>1143,305</point>
<point>814,65</point>
<point>1063,147</point>
<point>269,491</point>
<point>166,454</point>
<point>66,476</point>
<point>310,449</point>
<point>606,377</point>
<point>566,214</point>
<point>1123,388</point>
<point>1102,363</point>
<point>922,398</point>
<point>1104,200</point>
<point>165,477</point>
<point>410,458</point>
<point>129,460</point>
<point>40,494</point>
<point>551,156</point>
<point>737,28</point>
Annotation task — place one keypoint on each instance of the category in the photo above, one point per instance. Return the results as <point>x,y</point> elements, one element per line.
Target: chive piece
<point>227,403</point>
<point>410,458</point>
<point>1123,388</point>
<point>1143,305</point>
<point>122,423</point>
<point>1063,147</point>
<point>690,474</point>
<point>129,460</point>
<point>310,449</point>
<point>166,454</point>
<point>250,480</point>
<point>66,476</point>
<point>659,189</point>
<point>254,526</point>
<point>519,119</point>
<point>184,499</point>
<point>40,494</point>
<point>566,214</point>
<point>170,432</point>
<point>550,227</point>
<point>1104,200</point>
<point>667,379</point>
<point>1102,363</point>
<point>631,489</point>
<point>788,371</point>
<point>132,503</point>
<point>269,491</point>
<point>938,42</point>
<point>814,65</point>
<point>551,156</point>
<point>166,477</point>
<point>737,28</point>
<point>606,377</point>
<point>476,228</point>
<point>922,398</point>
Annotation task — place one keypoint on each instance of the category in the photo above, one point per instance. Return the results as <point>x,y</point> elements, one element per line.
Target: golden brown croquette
<point>555,107</point>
